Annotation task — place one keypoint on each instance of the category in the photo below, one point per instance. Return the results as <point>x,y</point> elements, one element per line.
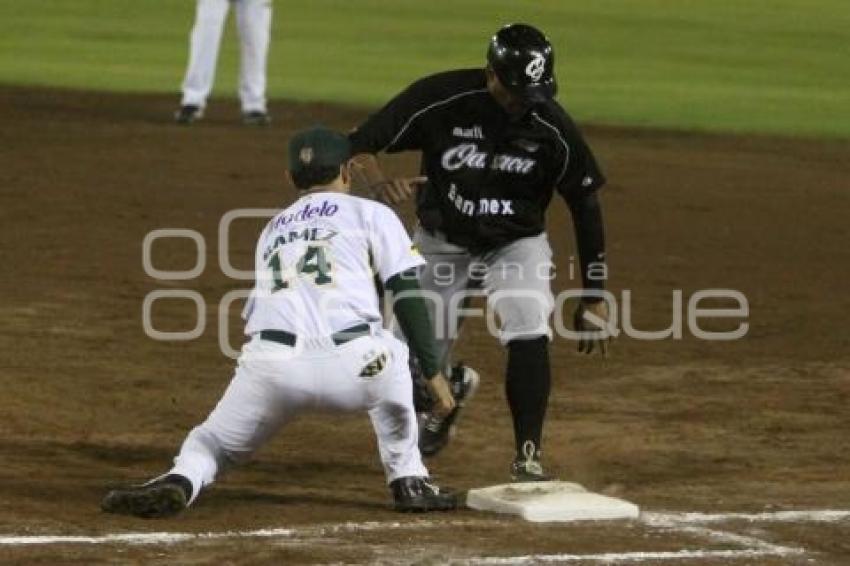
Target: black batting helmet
<point>523,59</point>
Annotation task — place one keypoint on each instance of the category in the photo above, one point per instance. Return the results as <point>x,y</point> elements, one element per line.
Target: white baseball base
<point>550,501</point>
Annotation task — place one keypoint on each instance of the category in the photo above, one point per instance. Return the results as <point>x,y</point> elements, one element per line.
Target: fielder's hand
<point>396,191</point>
<point>590,319</point>
<point>369,180</point>
<point>441,393</point>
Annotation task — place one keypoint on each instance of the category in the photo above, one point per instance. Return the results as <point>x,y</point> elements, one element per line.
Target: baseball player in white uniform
<point>316,339</point>
<point>254,22</point>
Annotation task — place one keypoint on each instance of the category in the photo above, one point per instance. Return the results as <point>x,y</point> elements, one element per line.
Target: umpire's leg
<point>204,44</point>
<point>254,20</point>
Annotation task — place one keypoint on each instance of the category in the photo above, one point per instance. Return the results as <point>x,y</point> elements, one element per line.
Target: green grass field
<point>772,66</point>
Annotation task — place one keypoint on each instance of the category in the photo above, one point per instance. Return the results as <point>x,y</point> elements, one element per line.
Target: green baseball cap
<point>318,147</point>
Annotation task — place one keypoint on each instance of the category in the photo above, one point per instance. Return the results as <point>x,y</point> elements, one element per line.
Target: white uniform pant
<point>275,383</point>
<point>254,20</point>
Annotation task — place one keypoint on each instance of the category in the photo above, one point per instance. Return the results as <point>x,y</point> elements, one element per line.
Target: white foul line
<point>676,522</point>
<point>612,557</point>
<point>671,522</point>
<point>824,515</point>
<point>172,538</point>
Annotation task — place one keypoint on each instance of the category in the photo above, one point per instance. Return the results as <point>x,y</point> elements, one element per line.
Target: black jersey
<point>490,178</point>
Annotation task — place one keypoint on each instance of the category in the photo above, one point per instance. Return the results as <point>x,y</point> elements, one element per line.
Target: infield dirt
<point>90,401</point>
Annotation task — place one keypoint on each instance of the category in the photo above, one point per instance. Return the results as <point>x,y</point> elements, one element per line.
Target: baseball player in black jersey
<point>495,148</point>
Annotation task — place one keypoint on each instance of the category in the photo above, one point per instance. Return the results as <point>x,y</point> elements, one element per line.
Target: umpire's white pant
<point>254,20</point>
<point>274,383</point>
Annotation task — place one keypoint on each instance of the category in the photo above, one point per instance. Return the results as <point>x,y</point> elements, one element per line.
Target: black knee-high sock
<point>527,387</point>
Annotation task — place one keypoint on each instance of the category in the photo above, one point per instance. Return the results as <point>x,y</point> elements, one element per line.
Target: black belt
<point>339,338</point>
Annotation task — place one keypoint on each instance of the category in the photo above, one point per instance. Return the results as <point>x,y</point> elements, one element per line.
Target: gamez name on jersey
<point>314,234</point>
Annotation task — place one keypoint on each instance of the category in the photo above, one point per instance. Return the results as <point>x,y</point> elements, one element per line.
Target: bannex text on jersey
<point>503,207</point>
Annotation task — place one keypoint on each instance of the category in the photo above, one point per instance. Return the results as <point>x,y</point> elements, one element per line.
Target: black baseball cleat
<point>158,499</point>
<point>256,118</point>
<point>188,113</point>
<point>435,431</point>
<point>414,494</point>
<point>527,467</point>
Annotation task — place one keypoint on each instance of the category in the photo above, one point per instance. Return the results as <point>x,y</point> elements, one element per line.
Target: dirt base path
<point>758,425</point>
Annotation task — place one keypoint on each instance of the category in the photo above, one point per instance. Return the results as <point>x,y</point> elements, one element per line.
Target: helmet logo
<point>306,155</point>
<point>536,67</point>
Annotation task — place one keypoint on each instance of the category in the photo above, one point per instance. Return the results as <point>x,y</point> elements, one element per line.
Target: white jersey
<point>316,267</point>
<point>316,264</point>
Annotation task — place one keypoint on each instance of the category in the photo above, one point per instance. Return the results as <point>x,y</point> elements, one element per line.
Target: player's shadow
<point>310,470</point>
<point>304,483</point>
<point>230,496</point>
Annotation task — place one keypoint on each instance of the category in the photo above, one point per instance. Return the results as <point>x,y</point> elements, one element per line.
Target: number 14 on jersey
<point>315,265</point>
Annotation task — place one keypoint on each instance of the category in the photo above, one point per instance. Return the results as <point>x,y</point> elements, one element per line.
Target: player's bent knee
<point>523,320</point>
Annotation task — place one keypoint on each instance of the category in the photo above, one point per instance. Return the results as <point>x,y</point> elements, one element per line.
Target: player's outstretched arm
<point>412,314</point>
<point>369,180</point>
